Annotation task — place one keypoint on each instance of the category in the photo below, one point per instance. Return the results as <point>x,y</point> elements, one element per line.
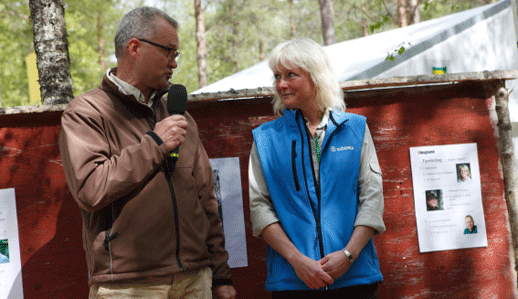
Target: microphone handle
<point>174,153</point>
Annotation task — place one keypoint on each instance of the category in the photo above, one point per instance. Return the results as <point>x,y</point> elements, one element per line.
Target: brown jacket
<point>133,230</point>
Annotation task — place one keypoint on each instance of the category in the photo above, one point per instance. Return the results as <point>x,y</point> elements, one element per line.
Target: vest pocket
<point>293,164</point>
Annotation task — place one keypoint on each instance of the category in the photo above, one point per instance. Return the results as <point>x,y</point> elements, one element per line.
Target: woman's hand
<point>307,269</point>
<point>335,264</point>
<point>311,272</point>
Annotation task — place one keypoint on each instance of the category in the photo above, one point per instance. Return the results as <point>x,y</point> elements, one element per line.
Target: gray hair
<point>309,56</point>
<point>139,23</point>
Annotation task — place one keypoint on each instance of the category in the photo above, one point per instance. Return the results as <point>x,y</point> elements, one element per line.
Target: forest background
<point>231,35</point>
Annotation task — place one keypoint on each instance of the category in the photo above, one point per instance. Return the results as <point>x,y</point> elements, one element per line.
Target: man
<point>471,228</point>
<point>150,229</point>
<point>432,203</point>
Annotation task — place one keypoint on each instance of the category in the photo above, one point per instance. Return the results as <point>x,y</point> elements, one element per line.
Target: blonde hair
<point>464,166</point>
<point>310,57</point>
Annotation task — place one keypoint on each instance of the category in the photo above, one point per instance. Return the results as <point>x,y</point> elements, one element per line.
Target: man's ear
<point>134,47</point>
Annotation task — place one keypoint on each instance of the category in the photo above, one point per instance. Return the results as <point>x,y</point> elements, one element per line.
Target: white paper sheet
<point>10,261</point>
<point>451,174</point>
<point>227,186</point>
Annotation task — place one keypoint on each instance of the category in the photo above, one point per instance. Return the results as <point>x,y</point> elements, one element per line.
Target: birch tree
<point>51,46</point>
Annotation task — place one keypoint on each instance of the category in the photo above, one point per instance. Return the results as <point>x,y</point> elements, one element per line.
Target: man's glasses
<point>175,55</point>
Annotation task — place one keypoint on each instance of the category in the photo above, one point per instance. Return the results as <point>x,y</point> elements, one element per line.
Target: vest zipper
<point>319,202</point>
<point>293,164</point>
<point>317,185</point>
<point>316,212</point>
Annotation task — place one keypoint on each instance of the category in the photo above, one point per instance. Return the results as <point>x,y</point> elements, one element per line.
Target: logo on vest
<point>342,148</point>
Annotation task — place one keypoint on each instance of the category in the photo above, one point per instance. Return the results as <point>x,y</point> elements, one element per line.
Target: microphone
<point>176,104</point>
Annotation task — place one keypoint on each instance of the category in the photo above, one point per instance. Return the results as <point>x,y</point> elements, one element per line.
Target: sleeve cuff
<point>373,221</point>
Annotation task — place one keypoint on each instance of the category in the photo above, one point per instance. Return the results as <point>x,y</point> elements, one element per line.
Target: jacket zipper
<point>165,169</point>
<point>175,212</point>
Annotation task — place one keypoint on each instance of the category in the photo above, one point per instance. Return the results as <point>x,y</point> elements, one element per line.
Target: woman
<point>316,194</point>
<point>464,173</point>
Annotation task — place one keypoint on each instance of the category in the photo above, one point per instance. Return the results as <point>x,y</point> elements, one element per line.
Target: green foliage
<point>239,34</point>
<point>384,20</point>
<point>235,31</point>
<point>88,22</point>
<point>15,45</point>
<point>437,8</point>
<point>399,51</point>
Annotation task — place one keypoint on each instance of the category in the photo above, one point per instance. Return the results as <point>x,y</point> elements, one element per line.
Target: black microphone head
<point>177,99</point>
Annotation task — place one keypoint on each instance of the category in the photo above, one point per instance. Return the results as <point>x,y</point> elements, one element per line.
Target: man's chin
<point>164,85</point>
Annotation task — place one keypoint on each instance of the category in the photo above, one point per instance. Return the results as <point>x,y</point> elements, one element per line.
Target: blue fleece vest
<point>317,220</point>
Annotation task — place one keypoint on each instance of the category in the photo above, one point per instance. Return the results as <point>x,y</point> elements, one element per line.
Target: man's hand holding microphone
<point>173,128</point>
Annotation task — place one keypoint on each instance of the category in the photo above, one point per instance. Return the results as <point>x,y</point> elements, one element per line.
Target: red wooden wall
<point>50,228</point>
<point>49,223</point>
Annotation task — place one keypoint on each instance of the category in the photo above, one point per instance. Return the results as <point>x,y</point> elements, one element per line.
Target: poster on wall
<point>227,187</point>
<point>448,197</point>
<point>10,261</point>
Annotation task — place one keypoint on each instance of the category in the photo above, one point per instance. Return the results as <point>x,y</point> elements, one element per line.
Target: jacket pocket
<point>293,164</point>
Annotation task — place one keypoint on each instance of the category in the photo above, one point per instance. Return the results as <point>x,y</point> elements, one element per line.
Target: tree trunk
<point>508,166</point>
<point>363,22</point>
<point>51,46</point>
<point>401,13</point>
<point>293,28</point>
<point>100,40</point>
<point>413,11</point>
<point>200,44</point>
<point>235,46</point>
<point>328,27</point>
<point>261,50</point>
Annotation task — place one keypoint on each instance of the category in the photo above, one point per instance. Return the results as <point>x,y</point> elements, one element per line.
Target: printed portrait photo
<point>471,228</point>
<point>434,200</point>
<point>463,173</point>
<point>4,251</point>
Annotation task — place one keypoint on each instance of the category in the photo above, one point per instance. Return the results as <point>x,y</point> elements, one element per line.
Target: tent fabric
<point>470,41</point>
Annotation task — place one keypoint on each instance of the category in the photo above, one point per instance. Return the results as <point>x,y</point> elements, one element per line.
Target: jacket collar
<point>336,118</point>
<point>137,108</point>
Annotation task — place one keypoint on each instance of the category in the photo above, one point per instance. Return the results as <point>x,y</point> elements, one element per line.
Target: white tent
<point>470,41</point>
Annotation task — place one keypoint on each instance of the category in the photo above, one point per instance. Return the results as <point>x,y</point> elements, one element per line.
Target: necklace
<point>317,147</point>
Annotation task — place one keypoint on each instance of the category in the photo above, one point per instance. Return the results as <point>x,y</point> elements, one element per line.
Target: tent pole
<point>508,167</point>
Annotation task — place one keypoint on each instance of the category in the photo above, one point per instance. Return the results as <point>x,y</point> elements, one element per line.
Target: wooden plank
<point>245,94</point>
